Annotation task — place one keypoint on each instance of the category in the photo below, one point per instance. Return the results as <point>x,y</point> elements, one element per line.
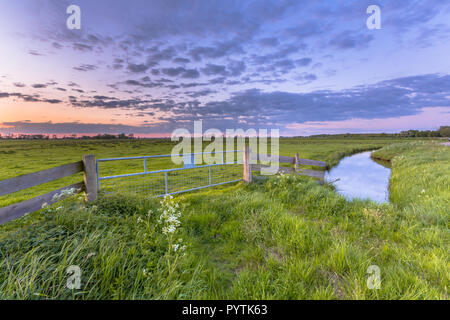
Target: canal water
<point>359,176</point>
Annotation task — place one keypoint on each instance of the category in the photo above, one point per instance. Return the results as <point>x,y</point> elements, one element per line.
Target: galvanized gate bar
<point>162,156</point>
<point>156,182</point>
<point>164,170</point>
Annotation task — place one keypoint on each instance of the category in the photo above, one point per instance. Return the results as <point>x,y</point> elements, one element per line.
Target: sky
<point>150,67</point>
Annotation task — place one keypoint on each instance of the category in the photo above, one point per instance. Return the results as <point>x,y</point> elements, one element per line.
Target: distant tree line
<point>72,136</point>
<point>444,131</point>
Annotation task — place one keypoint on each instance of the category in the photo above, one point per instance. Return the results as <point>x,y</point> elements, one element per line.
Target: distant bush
<point>444,131</point>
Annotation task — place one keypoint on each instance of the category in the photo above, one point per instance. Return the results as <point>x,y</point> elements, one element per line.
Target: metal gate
<point>157,183</point>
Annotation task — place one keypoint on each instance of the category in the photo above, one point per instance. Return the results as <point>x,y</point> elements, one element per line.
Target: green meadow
<point>19,157</point>
<point>285,238</point>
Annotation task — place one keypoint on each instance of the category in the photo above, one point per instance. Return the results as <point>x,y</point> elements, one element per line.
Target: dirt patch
<point>336,281</point>
<point>298,210</point>
<point>273,253</point>
<point>251,265</point>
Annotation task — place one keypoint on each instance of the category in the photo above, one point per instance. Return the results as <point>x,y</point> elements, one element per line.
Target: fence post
<point>247,165</point>
<point>90,177</point>
<point>296,163</point>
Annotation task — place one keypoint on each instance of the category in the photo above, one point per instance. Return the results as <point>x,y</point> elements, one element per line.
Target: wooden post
<point>296,163</point>
<point>247,176</point>
<point>90,177</point>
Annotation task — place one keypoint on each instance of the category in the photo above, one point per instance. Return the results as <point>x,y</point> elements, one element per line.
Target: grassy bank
<point>288,238</point>
<point>421,175</point>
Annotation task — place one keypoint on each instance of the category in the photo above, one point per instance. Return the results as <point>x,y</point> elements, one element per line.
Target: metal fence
<point>193,175</point>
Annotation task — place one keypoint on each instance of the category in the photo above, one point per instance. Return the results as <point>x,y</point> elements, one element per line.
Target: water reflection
<point>361,177</point>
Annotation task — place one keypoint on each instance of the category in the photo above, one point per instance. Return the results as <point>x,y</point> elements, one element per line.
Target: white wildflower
<point>169,229</point>
<point>173,219</point>
<point>55,197</point>
<point>169,219</point>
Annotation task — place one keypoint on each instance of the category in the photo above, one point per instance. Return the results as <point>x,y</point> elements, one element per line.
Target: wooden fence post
<point>90,177</point>
<point>247,165</point>
<point>296,163</point>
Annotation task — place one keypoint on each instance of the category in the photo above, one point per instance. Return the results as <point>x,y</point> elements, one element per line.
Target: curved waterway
<point>359,176</point>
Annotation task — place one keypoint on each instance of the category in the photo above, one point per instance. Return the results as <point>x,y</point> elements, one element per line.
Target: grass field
<point>288,238</point>
<point>21,157</point>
